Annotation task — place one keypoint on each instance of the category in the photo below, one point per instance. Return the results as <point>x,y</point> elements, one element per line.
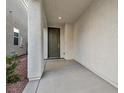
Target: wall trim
<point>34,78</point>
<point>99,74</point>
<point>24,4</point>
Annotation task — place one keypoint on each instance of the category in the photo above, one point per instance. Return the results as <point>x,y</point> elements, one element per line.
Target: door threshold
<point>52,58</point>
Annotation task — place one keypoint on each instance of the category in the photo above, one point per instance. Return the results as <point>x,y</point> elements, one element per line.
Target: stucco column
<point>35,56</point>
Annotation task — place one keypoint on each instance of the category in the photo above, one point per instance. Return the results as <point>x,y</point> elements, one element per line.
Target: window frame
<point>16,31</point>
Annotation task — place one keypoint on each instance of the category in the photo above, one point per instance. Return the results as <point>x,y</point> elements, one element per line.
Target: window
<point>16,36</point>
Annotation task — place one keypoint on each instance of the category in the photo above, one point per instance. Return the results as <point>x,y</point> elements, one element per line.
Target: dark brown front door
<point>53,42</point>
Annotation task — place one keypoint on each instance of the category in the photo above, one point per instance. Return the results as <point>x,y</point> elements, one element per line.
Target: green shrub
<point>11,63</point>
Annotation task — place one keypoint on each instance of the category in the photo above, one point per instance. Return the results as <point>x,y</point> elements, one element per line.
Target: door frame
<point>59,43</point>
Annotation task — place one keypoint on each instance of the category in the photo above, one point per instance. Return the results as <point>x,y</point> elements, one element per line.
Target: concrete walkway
<point>68,77</point>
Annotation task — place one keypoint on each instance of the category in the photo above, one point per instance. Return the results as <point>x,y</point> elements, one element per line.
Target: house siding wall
<point>18,19</point>
<point>95,39</point>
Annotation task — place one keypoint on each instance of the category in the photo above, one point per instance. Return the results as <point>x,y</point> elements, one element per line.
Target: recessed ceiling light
<point>59,18</point>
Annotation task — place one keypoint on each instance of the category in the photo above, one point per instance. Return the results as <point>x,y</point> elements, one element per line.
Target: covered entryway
<point>88,34</point>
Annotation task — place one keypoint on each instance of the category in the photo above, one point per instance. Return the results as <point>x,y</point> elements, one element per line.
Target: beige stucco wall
<point>62,42</point>
<point>95,39</point>
<point>18,19</point>
<point>68,37</point>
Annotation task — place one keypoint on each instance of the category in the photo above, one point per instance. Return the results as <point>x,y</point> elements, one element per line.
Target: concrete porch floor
<point>62,76</point>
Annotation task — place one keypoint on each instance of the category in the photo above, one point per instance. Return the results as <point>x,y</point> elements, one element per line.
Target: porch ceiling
<point>69,10</point>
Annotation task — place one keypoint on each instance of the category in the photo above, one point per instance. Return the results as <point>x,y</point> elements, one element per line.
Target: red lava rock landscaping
<point>22,71</point>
